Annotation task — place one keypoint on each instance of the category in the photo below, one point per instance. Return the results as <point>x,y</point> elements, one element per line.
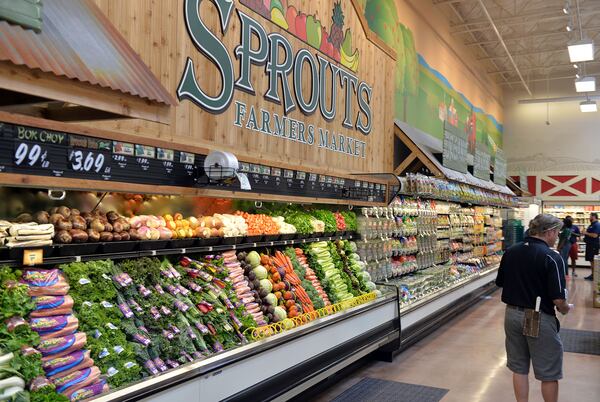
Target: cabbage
<point>280,313</point>
<point>365,276</point>
<point>355,257</point>
<point>260,272</point>
<point>266,285</point>
<point>378,293</point>
<point>253,258</point>
<point>371,286</point>
<point>271,299</point>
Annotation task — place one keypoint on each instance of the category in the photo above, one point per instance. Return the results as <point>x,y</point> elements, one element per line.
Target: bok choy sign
<point>298,79</point>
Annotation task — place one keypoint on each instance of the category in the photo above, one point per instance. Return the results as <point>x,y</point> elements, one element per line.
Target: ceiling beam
<point>438,2</point>
<point>526,17</point>
<point>562,49</point>
<point>542,34</point>
<point>545,67</point>
<point>544,79</point>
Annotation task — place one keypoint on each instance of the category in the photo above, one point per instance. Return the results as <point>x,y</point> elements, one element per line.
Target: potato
<point>93,235</point>
<point>133,234</point>
<point>24,218</point>
<point>108,227</point>
<point>106,236</point>
<point>63,224</point>
<point>54,218</point>
<point>42,217</point>
<point>75,211</point>
<point>79,236</point>
<point>78,222</point>
<point>117,237</point>
<point>125,236</point>
<point>97,225</point>
<point>112,216</point>
<point>118,227</point>
<point>64,211</point>
<point>63,237</point>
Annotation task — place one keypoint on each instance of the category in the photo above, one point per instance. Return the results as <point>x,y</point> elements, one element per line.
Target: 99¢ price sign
<point>31,155</point>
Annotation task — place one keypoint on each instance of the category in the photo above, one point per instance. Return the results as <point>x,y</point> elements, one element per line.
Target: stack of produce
<point>335,281</point>
<point>29,235</point>
<point>340,221</point>
<point>350,220</point>
<point>150,227</point>
<point>284,227</point>
<point>310,282</point>
<point>259,224</point>
<point>327,218</point>
<point>300,220</point>
<point>291,298</point>
<point>240,269</point>
<point>353,267</point>
<point>20,364</point>
<point>65,361</point>
<point>233,225</point>
<point>94,299</point>
<point>318,226</point>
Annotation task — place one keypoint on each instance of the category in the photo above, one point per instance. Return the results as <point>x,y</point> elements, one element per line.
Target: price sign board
<point>455,148</point>
<point>499,168</point>
<point>39,150</point>
<point>523,183</point>
<point>481,165</point>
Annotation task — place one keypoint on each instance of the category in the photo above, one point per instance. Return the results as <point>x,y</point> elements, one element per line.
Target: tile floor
<point>467,356</point>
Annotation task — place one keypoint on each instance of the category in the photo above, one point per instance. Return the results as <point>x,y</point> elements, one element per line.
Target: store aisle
<point>467,357</point>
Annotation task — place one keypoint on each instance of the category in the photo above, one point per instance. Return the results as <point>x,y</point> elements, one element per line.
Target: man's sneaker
<point>588,278</point>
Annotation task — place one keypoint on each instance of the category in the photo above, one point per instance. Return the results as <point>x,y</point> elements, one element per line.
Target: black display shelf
<point>67,253</point>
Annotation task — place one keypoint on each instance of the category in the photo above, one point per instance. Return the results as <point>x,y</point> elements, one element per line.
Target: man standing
<point>592,242</point>
<point>529,270</point>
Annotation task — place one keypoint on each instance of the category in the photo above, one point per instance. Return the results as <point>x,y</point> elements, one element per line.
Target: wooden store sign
<point>297,79</point>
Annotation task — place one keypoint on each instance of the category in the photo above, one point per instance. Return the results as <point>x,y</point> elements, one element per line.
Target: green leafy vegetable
<point>29,366</point>
<point>327,217</point>
<point>14,300</point>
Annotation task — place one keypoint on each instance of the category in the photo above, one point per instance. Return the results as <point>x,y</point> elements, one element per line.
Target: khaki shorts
<point>544,352</point>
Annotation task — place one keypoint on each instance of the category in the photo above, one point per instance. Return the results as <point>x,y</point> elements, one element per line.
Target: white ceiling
<point>534,32</point>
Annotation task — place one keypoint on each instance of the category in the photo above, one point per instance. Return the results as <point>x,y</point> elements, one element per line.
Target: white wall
<point>570,143</point>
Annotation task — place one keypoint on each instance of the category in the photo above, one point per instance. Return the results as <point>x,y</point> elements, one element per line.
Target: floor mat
<point>576,341</point>
<point>374,390</point>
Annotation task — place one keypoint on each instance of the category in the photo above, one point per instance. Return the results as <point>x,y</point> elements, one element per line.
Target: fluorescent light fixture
<point>581,51</point>
<point>575,66</point>
<point>585,84</point>
<point>588,106</point>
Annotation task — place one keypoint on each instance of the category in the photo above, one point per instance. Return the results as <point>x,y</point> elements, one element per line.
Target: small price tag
<point>33,257</point>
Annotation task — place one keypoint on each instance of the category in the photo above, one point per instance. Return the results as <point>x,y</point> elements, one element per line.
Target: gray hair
<point>543,223</point>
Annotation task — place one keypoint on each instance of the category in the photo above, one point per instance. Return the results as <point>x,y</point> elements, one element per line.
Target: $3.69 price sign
<point>88,162</point>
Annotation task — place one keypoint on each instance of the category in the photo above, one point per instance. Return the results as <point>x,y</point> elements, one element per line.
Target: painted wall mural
<point>335,43</point>
<point>424,97</point>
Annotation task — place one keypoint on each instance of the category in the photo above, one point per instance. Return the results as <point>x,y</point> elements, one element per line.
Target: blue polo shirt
<point>593,228</point>
<point>530,269</point>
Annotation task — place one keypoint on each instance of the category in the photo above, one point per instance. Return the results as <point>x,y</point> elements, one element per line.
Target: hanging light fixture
<point>585,84</point>
<point>575,66</point>
<point>567,7</point>
<point>583,49</point>
<point>569,27</point>
<point>588,106</point>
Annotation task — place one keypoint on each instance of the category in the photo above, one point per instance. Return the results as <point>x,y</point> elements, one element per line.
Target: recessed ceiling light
<point>581,51</point>
<point>588,106</point>
<point>585,84</point>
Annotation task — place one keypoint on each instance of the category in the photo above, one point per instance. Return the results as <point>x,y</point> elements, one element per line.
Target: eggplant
<point>256,283</point>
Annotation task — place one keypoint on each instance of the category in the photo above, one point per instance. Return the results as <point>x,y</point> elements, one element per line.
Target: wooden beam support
<point>49,86</point>
<point>419,154</point>
<point>405,164</point>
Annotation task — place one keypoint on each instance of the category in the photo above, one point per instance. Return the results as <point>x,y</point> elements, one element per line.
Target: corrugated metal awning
<point>77,41</point>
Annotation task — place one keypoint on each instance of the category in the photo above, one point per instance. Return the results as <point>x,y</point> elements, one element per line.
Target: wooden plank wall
<point>156,30</point>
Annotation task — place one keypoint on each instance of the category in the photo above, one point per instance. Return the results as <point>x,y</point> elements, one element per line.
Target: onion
<point>144,233</point>
<point>136,222</point>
